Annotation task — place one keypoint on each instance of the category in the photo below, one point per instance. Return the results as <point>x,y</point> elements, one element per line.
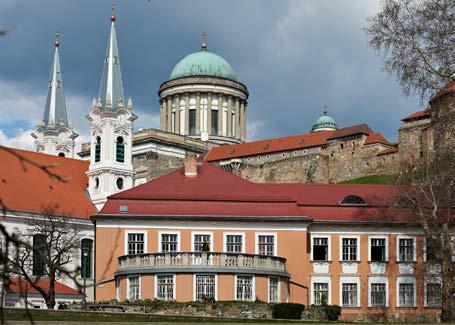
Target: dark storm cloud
<point>295,56</point>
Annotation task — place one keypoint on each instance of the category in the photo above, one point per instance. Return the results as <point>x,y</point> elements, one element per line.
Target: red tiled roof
<point>26,188</point>
<point>447,89</point>
<point>376,138</point>
<point>351,130</point>
<point>212,192</point>
<point>418,115</point>
<point>19,285</point>
<point>387,151</point>
<point>300,141</point>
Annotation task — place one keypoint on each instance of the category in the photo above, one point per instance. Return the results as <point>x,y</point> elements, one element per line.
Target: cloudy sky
<point>295,57</point>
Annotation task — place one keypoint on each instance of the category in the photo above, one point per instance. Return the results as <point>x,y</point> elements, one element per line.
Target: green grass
<point>374,179</point>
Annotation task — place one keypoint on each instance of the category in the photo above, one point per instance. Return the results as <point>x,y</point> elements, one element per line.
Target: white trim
<point>128,286</point>
<point>220,225</point>
<point>172,232</point>
<point>340,247</point>
<point>253,286</point>
<point>329,245</point>
<point>321,279</point>
<point>275,241</point>
<point>354,280</point>
<point>155,286</point>
<point>210,233</point>
<point>404,280</point>
<point>379,279</point>
<point>215,283</point>
<point>397,244</point>
<point>225,234</point>
<point>279,289</point>
<point>370,237</point>
<point>127,232</point>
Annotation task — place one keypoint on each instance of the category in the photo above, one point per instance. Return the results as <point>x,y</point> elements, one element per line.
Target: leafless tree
<point>427,194</point>
<point>417,41</point>
<point>51,257</point>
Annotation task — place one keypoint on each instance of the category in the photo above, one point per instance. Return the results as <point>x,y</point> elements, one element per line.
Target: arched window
<point>352,200</point>
<point>39,242</point>
<point>86,258</point>
<point>61,154</point>
<point>98,149</point>
<point>120,150</point>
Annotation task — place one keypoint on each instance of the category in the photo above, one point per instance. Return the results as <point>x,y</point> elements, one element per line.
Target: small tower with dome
<point>324,123</point>
<point>203,99</point>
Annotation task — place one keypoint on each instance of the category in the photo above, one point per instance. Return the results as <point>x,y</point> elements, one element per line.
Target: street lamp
<point>84,275</point>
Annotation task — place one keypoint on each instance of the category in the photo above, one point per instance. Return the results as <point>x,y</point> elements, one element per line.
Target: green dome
<point>324,123</point>
<point>203,63</point>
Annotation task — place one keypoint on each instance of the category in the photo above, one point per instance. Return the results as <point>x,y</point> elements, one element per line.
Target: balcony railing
<point>189,262</point>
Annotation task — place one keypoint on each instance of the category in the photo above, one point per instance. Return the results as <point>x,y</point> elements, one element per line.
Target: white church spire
<point>55,135</point>
<point>111,128</point>
<point>111,93</point>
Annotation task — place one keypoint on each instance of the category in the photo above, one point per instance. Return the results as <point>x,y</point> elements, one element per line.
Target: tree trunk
<point>446,276</point>
<point>50,301</point>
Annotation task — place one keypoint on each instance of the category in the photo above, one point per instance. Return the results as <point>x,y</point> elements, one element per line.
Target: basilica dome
<point>324,123</point>
<point>203,63</point>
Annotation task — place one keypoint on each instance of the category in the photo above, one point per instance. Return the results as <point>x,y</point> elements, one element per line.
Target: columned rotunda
<point>203,99</point>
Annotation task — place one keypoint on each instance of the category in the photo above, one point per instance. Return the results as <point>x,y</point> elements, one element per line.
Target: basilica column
<point>209,113</point>
<point>244,119</point>
<point>220,114</point>
<point>169,114</point>
<point>162,114</point>
<point>198,113</point>
<point>177,114</point>
<point>229,117</point>
<point>187,113</point>
<point>237,118</point>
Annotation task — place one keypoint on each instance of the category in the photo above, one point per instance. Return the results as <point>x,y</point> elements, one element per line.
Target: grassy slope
<point>374,179</point>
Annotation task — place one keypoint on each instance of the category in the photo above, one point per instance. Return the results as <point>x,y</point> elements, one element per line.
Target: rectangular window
<point>244,288</point>
<point>234,243</point>
<point>349,249</point>
<point>133,290</point>
<point>406,249</point>
<point>320,293</point>
<point>433,294</point>
<point>86,258</point>
<point>431,249</point>
<point>192,121</point>
<point>378,250</point>
<point>205,287</point>
<point>349,294</point>
<point>320,249</point>
<point>169,243</point>
<point>378,295</point>
<point>165,287</point>
<point>406,294</point>
<point>214,122</point>
<point>266,245</point>
<point>135,244</point>
<point>202,243</point>
<point>274,295</point>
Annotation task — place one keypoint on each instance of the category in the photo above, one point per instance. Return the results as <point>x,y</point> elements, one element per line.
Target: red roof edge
<point>419,114</point>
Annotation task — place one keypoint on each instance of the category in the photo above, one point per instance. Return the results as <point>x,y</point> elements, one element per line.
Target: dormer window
<point>352,200</point>
<point>120,150</point>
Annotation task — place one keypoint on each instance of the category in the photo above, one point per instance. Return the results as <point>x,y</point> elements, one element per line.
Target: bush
<point>287,311</point>
<point>332,312</point>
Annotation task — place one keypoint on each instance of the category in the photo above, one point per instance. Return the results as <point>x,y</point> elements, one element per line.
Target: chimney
<point>190,165</point>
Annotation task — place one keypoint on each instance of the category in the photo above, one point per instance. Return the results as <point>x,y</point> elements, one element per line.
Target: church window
<point>119,183</point>
<point>86,257</point>
<point>98,149</point>
<point>192,122</point>
<point>39,242</point>
<point>233,124</point>
<point>61,154</point>
<point>120,150</point>
<point>214,122</point>
<point>97,183</point>
<point>353,200</point>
